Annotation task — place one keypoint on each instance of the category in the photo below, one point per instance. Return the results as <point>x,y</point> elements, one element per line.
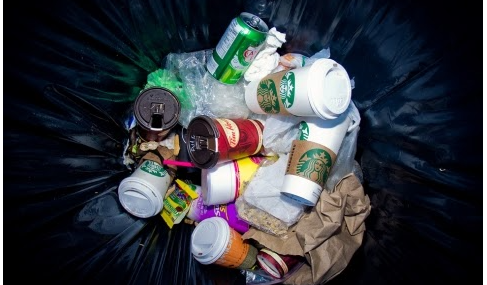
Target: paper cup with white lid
<point>322,89</point>
<point>213,241</point>
<point>312,157</point>
<point>142,193</point>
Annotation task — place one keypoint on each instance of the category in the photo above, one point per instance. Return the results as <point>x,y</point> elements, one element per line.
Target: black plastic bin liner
<point>73,68</point>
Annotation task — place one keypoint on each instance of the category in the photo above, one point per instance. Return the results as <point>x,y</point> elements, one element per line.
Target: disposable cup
<point>224,182</point>
<point>312,157</point>
<point>321,89</point>
<point>142,193</point>
<point>156,110</point>
<point>213,241</point>
<point>213,141</point>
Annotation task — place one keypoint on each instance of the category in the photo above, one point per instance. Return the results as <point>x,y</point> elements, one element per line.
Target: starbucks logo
<point>153,168</point>
<point>303,131</point>
<point>315,165</point>
<point>287,89</point>
<point>267,96</point>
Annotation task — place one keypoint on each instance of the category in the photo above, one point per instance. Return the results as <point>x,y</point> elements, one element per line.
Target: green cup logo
<point>267,96</point>
<point>287,89</point>
<point>153,168</point>
<point>315,165</point>
<point>303,131</point>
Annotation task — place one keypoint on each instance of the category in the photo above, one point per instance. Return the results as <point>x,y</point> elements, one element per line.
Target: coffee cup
<point>142,193</point>
<point>225,182</point>
<point>321,89</point>
<point>312,157</point>
<point>213,241</point>
<point>156,111</point>
<point>213,141</point>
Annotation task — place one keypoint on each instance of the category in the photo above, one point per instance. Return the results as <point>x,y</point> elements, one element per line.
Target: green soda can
<point>237,48</point>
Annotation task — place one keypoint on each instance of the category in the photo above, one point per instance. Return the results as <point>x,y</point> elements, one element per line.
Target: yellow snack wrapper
<point>177,204</point>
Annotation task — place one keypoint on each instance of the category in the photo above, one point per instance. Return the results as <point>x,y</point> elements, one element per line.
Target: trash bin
<point>73,69</point>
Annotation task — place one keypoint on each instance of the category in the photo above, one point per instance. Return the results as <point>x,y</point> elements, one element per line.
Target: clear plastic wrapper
<point>259,276</point>
<point>345,162</point>
<point>204,94</point>
<point>262,204</point>
<point>279,132</point>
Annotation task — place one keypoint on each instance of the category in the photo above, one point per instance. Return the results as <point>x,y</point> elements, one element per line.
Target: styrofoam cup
<point>321,89</point>
<point>312,157</point>
<point>213,241</point>
<point>142,193</point>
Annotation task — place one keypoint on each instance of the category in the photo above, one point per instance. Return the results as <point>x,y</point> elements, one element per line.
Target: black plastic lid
<point>202,137</point>
<point>157,109</point>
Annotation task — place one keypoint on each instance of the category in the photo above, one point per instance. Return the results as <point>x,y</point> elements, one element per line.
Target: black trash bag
<point>73,69</point>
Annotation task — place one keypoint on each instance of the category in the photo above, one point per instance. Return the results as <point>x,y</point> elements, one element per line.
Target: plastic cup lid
<point>202,137</point>
<point>209,240</point>
<point>157,108</point>
<point>219,184</point>
<point>137,197</point>
<point>331,95</point>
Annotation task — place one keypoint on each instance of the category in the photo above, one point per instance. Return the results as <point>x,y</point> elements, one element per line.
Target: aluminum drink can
<point>237,48</point>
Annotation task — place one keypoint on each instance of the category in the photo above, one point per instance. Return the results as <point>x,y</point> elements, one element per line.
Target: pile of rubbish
<point>271,140</point>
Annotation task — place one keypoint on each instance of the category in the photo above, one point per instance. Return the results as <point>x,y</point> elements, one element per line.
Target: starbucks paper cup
<point>213,241</point>
<point>321,89</point>
<point>142,193</point>
<point>312,157</point>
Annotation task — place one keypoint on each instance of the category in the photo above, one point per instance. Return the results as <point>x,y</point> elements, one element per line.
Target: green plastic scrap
<point>166,79</point>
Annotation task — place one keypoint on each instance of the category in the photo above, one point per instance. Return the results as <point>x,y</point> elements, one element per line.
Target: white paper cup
<point>312,157</point>
<point>218,184</point>
<point>321,89</point>
<point>213,241</point>
<point>142,193</point>
<point>225,182</point>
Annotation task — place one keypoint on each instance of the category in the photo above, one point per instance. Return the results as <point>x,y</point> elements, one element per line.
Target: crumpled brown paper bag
<point>327,236</point>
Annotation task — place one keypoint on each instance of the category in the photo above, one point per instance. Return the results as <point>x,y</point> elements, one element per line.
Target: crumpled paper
<point>267,59</point>
<point>327,236</point>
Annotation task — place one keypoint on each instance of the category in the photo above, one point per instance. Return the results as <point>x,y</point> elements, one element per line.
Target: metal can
<point>237,48</point>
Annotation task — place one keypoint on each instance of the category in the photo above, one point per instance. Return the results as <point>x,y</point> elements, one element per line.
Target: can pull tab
<point>254,22</point>
<point>201,142</point>
<point>156,122</point>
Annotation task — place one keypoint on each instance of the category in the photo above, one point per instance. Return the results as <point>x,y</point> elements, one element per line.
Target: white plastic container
<point>312,157</point>
<point>142,193</point>
<point>321,89</point>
